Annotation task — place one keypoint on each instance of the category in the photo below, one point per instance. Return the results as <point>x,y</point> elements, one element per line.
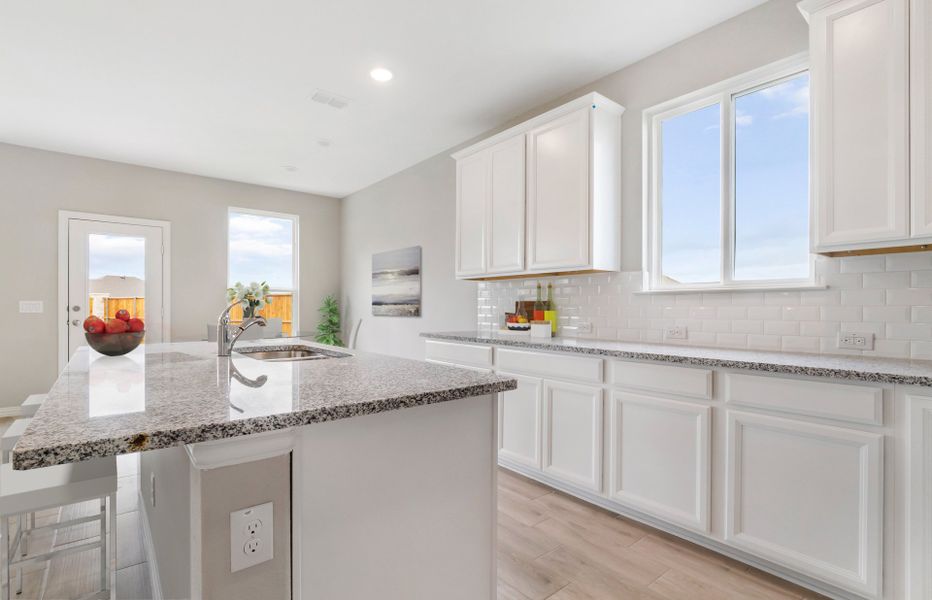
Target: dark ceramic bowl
<point>115,344</point>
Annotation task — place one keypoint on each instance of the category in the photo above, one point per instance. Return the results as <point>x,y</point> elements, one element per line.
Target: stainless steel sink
<point>287,353</point>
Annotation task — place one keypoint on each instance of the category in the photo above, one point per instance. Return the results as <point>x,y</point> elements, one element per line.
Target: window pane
<point>691,197</point>
<point>772,182</point>
<point>261,249</point>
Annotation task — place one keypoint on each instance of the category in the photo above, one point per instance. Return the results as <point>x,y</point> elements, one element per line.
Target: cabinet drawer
<point>551,366</point>
<point>683,381</point>
<point>460,354</point>
<point>844,402</point>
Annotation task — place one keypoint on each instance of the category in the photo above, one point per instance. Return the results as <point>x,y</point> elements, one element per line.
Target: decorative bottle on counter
<point>550,309</point>
<point>539,305</point>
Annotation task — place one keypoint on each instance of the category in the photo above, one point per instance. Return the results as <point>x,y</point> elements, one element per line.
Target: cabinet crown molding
<point>596,100</point>
<point>808,7</point>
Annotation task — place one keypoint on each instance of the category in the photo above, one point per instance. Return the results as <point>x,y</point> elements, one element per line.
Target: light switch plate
<point>31,306</point>
<point>250,536</point>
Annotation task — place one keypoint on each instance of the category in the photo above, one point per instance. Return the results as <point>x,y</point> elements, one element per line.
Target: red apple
<point>122,314</point>
<point>94,324</point>
<point>116,326</point>
<point>136,325</point>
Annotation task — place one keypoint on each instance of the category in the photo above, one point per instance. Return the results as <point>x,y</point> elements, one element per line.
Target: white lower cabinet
<point>660,457</point>
<point>807,496</point>
<point>573,433</point>
<point>519,422</point>
<point>788,471</point>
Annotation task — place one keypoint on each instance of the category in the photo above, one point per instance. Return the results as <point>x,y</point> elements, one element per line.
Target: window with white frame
<point>263,246</point>
<point>727,194</point>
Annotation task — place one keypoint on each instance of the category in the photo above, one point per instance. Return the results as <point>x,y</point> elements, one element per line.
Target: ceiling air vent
<point>330,99</point>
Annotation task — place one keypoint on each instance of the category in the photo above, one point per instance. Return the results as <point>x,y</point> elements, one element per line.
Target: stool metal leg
<point>104,563</point>
<point>8,587</point>
<point>112,544</point>
<point>22,543</point>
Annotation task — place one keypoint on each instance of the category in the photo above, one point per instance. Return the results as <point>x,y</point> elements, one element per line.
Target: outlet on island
<point>250,536</point>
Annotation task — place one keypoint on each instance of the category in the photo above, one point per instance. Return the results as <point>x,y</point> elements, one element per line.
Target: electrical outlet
<point>250,536</point>
<point>676,332</point>
<point>852,340</point>
<point>584,327</point>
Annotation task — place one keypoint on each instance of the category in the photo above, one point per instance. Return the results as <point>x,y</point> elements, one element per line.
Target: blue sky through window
<point>691,197</point>
<point>261,249</point>
<point>772,182</point>
<point>771,178</point>
<point>119,255</point>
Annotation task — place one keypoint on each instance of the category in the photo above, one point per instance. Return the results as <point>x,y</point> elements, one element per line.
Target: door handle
<point>76,322</point>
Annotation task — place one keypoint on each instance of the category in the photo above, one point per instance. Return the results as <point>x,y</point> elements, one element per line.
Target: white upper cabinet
<point>920,61</point>
<point>472,190</point>
<point>506,206</point>
<point>558,193</point>
<point>859,54</point>
<point>544,196</point>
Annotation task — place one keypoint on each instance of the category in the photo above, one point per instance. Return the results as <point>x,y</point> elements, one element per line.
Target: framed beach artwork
<point>396,283</point>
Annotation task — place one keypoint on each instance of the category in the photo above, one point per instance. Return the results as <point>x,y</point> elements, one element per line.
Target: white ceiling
<point>223,87</point>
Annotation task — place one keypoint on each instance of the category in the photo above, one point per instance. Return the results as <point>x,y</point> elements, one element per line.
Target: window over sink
<point>263,246</point>
<point>727,184</point>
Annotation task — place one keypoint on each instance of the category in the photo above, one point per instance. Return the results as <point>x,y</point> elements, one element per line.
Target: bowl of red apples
<point>116,336</point>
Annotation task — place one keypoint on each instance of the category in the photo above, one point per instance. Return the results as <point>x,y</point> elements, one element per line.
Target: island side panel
<point>398,505</point>
<point>220,491</point>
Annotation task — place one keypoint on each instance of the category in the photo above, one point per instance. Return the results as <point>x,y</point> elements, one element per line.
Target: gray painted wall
<point>35,185</point>
<point>416,206</point>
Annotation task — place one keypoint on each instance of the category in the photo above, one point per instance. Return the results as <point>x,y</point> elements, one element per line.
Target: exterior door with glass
<point>114,265</point>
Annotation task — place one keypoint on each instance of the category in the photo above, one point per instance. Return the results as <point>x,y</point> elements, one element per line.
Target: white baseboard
<point>686,534</point>
<point>10,411</point>
<point>155,583</point>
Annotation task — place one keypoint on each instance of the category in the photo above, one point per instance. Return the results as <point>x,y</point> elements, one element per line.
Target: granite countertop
<point>163,395</point>
<point>857,368</point>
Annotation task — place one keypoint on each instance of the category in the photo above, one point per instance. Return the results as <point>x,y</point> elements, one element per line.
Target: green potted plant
<point>328,330</point>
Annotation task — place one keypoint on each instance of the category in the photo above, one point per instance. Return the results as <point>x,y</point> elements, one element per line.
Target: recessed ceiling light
<point>290,168</point>
<point>323,143</point>
<point>381,74</point>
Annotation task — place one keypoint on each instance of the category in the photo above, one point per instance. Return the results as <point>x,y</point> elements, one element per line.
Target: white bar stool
<point>32,404</point>
<point>12,435</point>
<point>23,492</point>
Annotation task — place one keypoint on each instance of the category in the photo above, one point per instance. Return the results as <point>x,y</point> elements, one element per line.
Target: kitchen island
<point>369,500</point>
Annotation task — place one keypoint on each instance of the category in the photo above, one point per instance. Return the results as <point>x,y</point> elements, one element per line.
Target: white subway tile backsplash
<point>909,297</point>
<point>767,313</point>
<point>841,313</point>
<point>886,280</point>
<point>862,264</point>
<point>862,297</point>
<point>890,314</point>
<point>800,313</point>
<point>921,279</point>
<point>889,296</point>
<point>781,327</point>
<point>921,314</point>
<point>909,262</point>
<point>799,343</point>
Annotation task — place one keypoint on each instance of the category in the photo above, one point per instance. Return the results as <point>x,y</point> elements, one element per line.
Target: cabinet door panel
<point>507,206</point>
<point>808,497</point>
<point>660,457</point>
<point>558,193</point>
<point>472,192</point>
<point>573,433</point>
<point>920,60</point>
<point>519,421</point>
<point>860,89</point>
<point>920,495</point>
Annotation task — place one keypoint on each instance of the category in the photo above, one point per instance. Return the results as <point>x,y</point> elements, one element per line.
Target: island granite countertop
<point>163,395</point>
<point>838,366</point>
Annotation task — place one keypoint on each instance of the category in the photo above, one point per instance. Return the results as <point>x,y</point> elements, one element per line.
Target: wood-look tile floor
<point>555,547</point>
